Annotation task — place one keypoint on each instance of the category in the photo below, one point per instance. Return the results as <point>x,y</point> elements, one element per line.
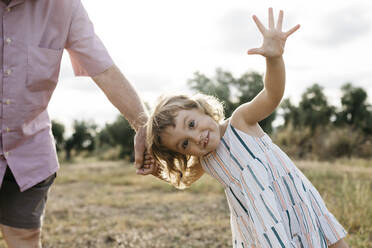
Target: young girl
<point>272,203</point>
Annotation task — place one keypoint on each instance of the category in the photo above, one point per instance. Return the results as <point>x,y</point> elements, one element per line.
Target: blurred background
<point>324,122</point>
<point>188,46</point>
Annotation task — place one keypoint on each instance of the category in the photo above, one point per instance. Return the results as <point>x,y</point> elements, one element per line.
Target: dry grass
<point>104,204</point>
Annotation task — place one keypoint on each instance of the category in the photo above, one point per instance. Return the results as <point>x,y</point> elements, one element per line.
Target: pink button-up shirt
<point>33,35</point>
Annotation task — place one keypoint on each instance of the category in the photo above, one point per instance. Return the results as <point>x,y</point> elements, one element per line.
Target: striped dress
<point>272,203</point>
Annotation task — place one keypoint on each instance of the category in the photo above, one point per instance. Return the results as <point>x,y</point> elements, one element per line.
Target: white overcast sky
<point>160,44</point>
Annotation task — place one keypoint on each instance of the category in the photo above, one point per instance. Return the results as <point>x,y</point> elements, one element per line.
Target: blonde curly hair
<point>175,168</point>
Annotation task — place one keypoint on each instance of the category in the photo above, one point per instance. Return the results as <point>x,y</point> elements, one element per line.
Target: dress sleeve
<point>88,55</point>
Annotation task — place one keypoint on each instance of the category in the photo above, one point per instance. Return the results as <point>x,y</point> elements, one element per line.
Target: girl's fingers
<point>292,30</point>
<point>271,18</point>
<point>255,51</point>
<point>260,26</point>
<point>146,171</point>
<point>141,172</point>
<point>148,161</point>
<point>280,21</point>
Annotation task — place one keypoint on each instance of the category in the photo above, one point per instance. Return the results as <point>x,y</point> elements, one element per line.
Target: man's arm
<point>125,98</point>
<point>122,95</point>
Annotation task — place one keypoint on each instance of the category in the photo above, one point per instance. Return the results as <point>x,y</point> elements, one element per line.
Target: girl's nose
<point>195,137</point>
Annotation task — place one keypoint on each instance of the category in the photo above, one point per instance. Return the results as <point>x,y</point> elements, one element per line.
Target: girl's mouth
<point>206,140</point>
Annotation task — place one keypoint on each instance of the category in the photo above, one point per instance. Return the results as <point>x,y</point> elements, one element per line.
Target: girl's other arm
<point>272,49</point>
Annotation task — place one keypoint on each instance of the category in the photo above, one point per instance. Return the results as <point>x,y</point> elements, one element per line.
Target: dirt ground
<point>104,204</point>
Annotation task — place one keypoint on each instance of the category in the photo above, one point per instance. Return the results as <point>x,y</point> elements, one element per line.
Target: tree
<point>58,130</point>
<point>219,86</point>
<point>290,114</point>
<point>231,91</point>
<point>355,110</point>
<point>83,138</point>
<point>247,87</point>
<point>118,133</point>
<point>313,108</point>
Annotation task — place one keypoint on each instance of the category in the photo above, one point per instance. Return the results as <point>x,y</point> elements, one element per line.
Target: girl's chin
<point>207,151</point>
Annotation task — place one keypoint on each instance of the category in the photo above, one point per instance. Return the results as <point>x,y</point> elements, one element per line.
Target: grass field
<point>104,204</point>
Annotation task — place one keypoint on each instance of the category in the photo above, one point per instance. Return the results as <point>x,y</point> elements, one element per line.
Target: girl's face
<point>195,133</point>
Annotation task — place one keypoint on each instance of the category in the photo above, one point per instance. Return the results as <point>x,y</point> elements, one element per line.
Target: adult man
<point>34,34</point>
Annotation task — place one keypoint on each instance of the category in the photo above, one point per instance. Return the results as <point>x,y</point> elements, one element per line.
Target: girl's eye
<point>192,124</point>
<point>185,143</point>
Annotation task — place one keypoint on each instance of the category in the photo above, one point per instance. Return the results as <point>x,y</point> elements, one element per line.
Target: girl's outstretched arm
<point>272,49</point>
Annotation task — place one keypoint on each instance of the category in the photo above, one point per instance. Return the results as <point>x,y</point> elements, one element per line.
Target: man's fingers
<point>139,147</point>
<point>139,172</point>
<point>148,161</point>
<point>138,157</point>
<point>144,171</point>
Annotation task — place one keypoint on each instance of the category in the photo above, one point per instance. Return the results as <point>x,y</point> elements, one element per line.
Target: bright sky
<point>160,44</point>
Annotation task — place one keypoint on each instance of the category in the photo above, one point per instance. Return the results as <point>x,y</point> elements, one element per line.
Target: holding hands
<point>273,37</point>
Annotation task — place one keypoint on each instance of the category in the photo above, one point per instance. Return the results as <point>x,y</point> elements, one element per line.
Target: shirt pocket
<point>43,66</point>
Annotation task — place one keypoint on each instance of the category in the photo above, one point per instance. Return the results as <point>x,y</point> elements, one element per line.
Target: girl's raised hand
<point>273,36</point>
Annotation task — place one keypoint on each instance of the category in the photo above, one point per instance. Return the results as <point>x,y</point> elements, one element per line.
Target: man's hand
<point>125,98</point>
<point>142,160</point>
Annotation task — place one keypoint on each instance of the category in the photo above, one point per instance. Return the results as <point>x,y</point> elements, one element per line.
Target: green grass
<point>104,204</point>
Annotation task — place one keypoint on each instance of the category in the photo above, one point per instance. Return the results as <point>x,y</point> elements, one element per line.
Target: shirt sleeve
<point>88,55</point>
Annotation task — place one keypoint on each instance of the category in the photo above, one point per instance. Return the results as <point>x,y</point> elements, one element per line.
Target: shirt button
<point>8,40</point>
<point>6,154</point>
<point>8,9</point>
<point>8,72</point>
<point>7,129</point>
<point>7,101</point>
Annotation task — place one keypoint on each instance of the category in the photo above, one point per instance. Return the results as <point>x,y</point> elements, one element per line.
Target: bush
<point>323,143</point>
<point>341,142</point>
<point>295,142</point>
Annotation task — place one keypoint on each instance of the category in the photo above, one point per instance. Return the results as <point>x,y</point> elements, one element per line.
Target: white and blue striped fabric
<point>272,203</point>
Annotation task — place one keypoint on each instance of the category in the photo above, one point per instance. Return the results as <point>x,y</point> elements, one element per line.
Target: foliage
<point>355,112</point>
<point>119,133</point>
<point>312,129</point>
<point>82,139</point>
<point>58,130</point>
<point>219,86</point>
<point>324,143</point>
<point>334,132</point>
<point>231,91</point>
<point>313,109</point>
